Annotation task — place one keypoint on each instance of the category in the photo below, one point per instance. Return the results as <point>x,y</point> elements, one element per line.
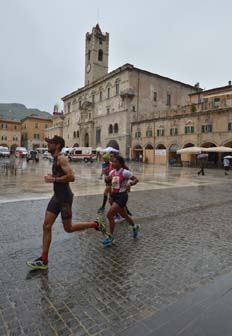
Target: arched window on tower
<point>89,54</point>
<point>110,129</point>
<point>115,128</point>
<point>100,55</point>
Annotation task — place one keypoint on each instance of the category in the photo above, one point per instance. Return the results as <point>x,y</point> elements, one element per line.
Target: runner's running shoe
<point>118,218</point>
<point>101,209</point>
<point>37,264</point>
<point>136,231</point>
<point>108,241</point>
<point>101,226</point>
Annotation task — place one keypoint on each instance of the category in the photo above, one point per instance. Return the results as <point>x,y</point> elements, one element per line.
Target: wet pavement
<point>142,287</point>
<point>28,183</point>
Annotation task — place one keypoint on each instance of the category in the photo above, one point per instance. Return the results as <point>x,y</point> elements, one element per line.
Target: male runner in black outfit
<point>61,202</point>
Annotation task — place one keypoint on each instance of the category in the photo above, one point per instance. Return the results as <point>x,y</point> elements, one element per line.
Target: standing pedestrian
<point>202,158</point>
<point>226,164</point>
<point>61,202</point>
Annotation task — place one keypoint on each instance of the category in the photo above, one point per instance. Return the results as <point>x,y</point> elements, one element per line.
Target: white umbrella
<point>109,150</point>
<point>202,156</point>
<point>220,149</point>
<point>228,157</point>
<point>99,149</point>
<point>190,150</point>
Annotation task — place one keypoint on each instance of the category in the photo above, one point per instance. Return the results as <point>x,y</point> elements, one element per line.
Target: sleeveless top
<point>120,179</point>
<point>62,191</point>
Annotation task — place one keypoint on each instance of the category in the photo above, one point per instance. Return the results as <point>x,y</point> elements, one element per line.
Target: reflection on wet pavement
<point>29,180</point>
<point>184,243</point>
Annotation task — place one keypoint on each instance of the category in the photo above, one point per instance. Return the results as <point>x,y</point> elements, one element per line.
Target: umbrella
<point>99,149</point>
<point>190,150</point>
<point>228,157</point>
<point>202,156</point>
<point>220,149</point>
<point>109,150</point>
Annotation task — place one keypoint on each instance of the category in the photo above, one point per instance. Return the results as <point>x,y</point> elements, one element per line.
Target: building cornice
<point>125,67</point>
<point>10,121</point>
<point>183,115</point>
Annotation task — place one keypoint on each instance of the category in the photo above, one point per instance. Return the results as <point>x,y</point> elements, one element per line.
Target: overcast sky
<point>42,43</point>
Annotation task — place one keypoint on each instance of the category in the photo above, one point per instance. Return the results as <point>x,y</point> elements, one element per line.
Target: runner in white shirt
<point>121,181</point>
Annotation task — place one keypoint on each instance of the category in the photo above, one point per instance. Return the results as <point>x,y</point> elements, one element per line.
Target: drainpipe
<point>138,91</point>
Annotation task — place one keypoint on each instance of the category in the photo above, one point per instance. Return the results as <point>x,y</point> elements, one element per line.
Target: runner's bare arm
<point>69,175</point>
<point>134,180</point>
<point>108,179</point>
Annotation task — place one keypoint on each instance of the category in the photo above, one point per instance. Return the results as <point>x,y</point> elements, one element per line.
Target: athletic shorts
<point>120,198</point>
<point>227,168</point>
<point>64,208</point>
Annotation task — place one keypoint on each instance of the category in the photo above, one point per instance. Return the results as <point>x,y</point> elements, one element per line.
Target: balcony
<point>86,105</point>
<point>127,93</point>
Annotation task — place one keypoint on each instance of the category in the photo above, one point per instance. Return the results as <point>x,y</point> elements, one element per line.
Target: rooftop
<point>125,67</point>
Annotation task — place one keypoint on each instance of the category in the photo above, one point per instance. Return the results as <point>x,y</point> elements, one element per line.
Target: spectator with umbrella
<point>202,158</point>
<point>226,163</point>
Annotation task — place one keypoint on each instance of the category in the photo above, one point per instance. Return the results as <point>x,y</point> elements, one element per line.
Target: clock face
<point>88,68</point>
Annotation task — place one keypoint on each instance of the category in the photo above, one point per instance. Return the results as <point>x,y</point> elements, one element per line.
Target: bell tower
<point>96,55</point>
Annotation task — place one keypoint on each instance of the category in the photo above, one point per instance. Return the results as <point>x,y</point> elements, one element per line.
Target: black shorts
<point>65,208</point>
<point>227,168</point>
<point>120,198</point>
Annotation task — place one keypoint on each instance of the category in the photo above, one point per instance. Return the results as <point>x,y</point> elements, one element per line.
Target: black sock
<point>104,201</point>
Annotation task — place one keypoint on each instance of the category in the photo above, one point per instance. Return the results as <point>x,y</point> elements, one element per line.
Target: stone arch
<point>114,144</point>
<point>160,146</point>
<point>76,144</point>
<point>108,85</point>
<point>212,157</point>
<point>188,144</point>
<point>172,154</point>
<point>227,143</point>
<point>149,153</point>
<point>208,144</point>
<point>148,146</point>
<point>137,152</point>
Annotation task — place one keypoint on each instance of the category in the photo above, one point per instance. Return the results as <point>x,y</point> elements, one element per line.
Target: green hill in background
<point>20,111</point>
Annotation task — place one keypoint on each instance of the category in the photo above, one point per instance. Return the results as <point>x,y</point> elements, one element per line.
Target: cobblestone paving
<point>185,241</point>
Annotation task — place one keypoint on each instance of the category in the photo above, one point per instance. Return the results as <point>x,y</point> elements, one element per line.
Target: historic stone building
<point>33,131</point>
<point>206,121</point>
<point>10,133</point>
<point>113,108</point>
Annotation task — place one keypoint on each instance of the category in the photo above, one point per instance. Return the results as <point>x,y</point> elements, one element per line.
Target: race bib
<point>116,182</point>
